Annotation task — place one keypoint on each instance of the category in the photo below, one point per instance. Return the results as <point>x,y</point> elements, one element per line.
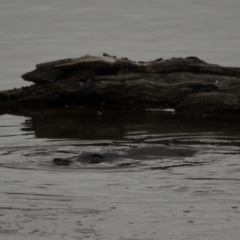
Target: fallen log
<point>189,85</point>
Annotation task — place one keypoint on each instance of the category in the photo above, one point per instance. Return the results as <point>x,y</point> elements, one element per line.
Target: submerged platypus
<point>136,153</point>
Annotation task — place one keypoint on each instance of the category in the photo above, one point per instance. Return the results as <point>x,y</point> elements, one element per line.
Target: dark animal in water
<point>137,153</point>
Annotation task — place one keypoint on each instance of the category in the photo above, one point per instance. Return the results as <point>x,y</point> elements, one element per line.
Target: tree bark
<point>189,85</point>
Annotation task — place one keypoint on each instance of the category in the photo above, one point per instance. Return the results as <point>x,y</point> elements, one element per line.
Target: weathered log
<point>70,69</point>
<point>77,68</point>
<point>189,85</point>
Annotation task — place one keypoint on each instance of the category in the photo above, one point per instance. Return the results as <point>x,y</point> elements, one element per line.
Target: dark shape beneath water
<point>135,153</point>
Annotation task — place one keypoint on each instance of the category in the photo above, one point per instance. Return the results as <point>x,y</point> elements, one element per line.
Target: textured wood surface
<point>189,85</point>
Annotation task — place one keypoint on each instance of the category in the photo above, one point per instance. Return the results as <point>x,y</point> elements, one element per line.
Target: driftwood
<point>189,85</point>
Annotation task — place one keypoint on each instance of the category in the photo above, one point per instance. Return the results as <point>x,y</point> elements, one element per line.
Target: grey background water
<point>34,31</point>
<point>200,200</point>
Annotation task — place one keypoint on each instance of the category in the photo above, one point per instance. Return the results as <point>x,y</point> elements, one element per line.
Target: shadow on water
<point>66,134</point>
<point>119,125</point>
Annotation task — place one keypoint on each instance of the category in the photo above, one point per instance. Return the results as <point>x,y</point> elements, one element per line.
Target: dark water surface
<point>193,197</point>
<point>182,198</point>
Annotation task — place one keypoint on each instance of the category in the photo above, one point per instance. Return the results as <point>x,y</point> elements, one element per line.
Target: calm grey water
<point>166,198</point>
